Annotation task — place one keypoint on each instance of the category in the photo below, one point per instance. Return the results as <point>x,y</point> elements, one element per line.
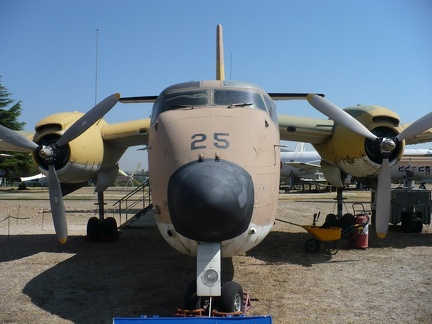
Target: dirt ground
<point>91,282</point>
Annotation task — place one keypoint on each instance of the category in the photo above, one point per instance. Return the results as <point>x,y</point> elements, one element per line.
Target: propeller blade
<point>417,127</point>
<point>12,137</point>
<point>382,217</point>
<point>86,121</point>
<point>337,114</point>
<point>57,207</point>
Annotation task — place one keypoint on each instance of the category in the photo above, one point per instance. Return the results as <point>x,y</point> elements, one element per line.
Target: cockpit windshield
<point>238,98</point>
<point>186,98</point>
<point>181,99</point>
<point>198,98</point>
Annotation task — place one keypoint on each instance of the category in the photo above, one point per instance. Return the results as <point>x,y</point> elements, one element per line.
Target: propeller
<point>386,145</point>
<point>15,138</point>
<point>49,154</point>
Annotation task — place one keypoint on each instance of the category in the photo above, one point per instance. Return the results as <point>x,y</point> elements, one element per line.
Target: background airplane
<point>301,165</point>
<point>214,163</point>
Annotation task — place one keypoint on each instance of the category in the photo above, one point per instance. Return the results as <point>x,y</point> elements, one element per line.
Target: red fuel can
<point>360,237</point>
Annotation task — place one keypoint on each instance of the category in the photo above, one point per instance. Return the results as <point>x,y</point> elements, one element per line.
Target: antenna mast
<point>96,72</point>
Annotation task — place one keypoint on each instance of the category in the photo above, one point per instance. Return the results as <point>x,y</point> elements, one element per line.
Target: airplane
<point>38,177</point>
<point>301,165</point>
<point>130,177</point>
<point>415,165</point>
<point>214,163</point>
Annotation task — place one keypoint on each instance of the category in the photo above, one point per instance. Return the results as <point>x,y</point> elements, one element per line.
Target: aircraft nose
<point>210,201</point>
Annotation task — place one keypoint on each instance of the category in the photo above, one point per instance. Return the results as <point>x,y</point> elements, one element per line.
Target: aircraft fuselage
<point>214,165</point>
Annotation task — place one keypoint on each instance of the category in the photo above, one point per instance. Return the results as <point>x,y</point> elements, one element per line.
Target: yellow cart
<point>331,236</point>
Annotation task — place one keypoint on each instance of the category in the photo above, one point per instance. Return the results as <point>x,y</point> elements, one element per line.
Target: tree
<point>18,164</point>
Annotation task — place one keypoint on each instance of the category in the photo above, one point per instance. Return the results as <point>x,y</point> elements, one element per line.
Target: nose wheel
<point>231,300</point>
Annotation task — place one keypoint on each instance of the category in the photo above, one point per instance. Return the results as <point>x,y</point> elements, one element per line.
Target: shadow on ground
<point>137,274</point>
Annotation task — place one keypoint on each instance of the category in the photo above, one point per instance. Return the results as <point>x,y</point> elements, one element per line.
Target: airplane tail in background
<point>300,147</point>
<point>220,68</point>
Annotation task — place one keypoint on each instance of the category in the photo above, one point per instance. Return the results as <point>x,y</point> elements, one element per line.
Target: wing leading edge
<point>304,129</point>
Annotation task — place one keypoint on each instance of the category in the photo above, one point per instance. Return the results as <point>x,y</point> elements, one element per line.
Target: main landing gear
<point>101,228</point>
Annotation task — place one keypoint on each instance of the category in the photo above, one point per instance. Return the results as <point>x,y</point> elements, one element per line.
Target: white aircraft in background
<point>301,165</point>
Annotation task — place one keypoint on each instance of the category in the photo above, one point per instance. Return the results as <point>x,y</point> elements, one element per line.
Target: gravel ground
<point>91,282</point>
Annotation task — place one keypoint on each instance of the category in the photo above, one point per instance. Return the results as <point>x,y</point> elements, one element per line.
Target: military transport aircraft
<point>214,162</point>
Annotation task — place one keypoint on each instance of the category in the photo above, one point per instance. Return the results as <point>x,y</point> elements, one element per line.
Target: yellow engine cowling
<point>353,153</point>
<point>81,158</point>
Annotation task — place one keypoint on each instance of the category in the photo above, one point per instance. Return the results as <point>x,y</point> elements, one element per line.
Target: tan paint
<point>252,145</point>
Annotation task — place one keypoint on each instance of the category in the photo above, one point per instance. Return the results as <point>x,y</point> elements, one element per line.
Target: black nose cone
<point>210,201</point>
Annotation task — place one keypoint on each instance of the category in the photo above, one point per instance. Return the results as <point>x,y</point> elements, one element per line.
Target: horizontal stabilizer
<point>291,96</point>
<point>139,99</point>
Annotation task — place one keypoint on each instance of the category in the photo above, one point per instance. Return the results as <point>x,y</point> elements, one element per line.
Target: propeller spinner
<point>49,154</point>
<point>387,145</point>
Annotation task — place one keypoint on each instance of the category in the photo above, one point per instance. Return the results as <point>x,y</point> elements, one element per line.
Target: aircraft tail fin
<point>220,68</point>
<point>299,147</point>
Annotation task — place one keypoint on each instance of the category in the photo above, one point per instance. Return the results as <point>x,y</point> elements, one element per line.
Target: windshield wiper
<point>241,104</point>
<point>182,107</point>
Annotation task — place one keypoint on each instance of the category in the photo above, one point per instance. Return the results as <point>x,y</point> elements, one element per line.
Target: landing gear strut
<point>101,228</point>
<point>206,294</point>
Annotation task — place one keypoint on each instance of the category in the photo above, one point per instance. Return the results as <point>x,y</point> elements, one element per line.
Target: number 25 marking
<point>220,138</point>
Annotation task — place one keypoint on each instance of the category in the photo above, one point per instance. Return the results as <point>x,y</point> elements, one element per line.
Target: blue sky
<point>356,52</point>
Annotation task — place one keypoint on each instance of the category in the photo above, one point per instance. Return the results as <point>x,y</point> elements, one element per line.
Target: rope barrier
<point>39,212</point>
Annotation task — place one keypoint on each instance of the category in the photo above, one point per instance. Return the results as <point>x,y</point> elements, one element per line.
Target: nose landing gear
<point>232,301</point>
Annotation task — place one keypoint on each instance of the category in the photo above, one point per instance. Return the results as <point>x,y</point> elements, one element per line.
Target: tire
<point>412,225</point>
<point>416,225</point>
<point>93,228</point>
<point>110,228</point>
<point>331,221</point>
<point>312,245</point>
<point>231,299</point>
<point>347,221</point>
<point>191,300</point>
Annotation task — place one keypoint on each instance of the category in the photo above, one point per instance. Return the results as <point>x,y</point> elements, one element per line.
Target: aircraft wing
<point>37,176</point>
<point>139,99</point>
<point>5,146</point>
<point>127,134</point>
<point>121,135</point>
<point>305,166</point>
<point>316,130</point>
<point>304,129</point>
<point>423,137</point>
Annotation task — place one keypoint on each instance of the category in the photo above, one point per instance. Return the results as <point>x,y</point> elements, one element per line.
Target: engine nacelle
<point>355,154</point>
<point>81,158</point>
